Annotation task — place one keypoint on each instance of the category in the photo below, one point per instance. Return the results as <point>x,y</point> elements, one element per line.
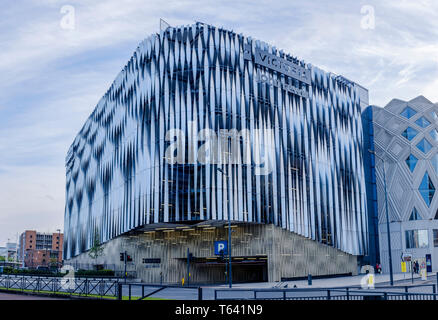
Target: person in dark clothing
<point>414,266</point>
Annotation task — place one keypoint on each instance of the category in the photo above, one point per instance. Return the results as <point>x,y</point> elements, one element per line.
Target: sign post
<point>407,257</point>
<point>220,247</point>
<point>423,271</point>
<point>429,263</point>
<point>403,266</point>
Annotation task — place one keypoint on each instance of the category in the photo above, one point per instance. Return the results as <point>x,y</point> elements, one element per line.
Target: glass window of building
<point>427,189</point>
<point>408,112</point>
<point>411,161</point>
<point>424,146</point>
<point>414,215</point>
<point>409,133</point>
<point>435,237</point>
<point>422,122</point>
<point>434,115</point>
<point>434,134</point>
<point>416,239</point>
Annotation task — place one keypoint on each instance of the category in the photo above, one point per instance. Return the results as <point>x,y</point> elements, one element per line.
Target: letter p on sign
<point>220,245</point>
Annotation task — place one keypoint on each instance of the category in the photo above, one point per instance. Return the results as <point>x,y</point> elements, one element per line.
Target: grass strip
<point>61,293</point>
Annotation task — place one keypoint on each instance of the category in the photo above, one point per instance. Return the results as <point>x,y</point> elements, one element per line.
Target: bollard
<point>309,279</point>
<point>199,293</point>
<point>119,291</point>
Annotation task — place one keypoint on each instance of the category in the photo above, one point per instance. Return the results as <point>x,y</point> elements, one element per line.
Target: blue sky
<point>51,78</point>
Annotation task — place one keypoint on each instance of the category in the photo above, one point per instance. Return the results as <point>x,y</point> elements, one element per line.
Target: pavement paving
<point>354,282</point>
<point>184,293</point>
<point>335,282</point>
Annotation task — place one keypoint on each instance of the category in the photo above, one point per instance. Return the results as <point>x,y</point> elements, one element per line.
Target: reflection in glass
<point>434,134</point>
<point>414,215</point>
<point>411,161</point>
<point>408,112</point>
<point>424,146</point>
<point>417,239</point>
<point>409,133</point>
<point>427,189</point>
<point>422,122</point>
<point>435,237</point>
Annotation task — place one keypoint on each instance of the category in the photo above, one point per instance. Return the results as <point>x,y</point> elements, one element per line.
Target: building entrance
<point>250,272</point>
<point>244,269</point>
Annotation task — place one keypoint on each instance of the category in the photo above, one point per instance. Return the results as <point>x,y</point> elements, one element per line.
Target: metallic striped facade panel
<point>200,77</point>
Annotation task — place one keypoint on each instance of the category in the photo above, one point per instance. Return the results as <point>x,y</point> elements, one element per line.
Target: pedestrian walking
<point>417,267</point>
<point>378,268</point>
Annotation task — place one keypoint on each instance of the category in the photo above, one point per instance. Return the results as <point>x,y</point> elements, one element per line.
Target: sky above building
<point>57,59</point>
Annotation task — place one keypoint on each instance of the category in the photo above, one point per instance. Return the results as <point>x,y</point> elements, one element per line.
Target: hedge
<point>78,273</point>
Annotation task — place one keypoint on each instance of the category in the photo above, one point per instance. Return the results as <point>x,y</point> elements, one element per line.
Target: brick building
<point>40,249</point>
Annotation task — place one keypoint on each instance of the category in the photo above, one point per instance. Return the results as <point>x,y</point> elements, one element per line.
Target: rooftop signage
<point>275,63</point>
<point>280,83</point>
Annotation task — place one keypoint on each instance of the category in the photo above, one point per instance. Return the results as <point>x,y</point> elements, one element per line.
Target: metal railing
<point>142,291</point>
<point>101,288</point>
<point>61,286</point>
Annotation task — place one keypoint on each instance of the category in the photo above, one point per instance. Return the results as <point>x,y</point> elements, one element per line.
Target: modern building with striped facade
<point>204,124</point>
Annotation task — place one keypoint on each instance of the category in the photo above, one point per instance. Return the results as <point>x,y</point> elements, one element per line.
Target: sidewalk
<point>336,282</point>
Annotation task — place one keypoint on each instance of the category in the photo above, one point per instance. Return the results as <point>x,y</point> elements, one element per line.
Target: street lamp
<point>59,245</point>
<point>7,250</point>
<point>391,277</point>
<point>230,278</point>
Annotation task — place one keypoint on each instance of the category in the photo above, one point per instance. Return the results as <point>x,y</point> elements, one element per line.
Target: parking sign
<point>220,245</point>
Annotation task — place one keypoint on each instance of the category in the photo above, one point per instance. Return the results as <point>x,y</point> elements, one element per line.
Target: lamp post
<point>230,277</point>
<point>59,245</point>
<point>391,277</point>
<point>7,250</point>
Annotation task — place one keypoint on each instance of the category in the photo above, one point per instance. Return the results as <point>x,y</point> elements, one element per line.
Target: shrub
<point>94,273</point>
<point>78,273</point>
<point>11,271</point>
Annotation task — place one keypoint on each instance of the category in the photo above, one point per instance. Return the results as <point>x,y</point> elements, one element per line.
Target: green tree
<point>54,262</point>
<point>96,250</point>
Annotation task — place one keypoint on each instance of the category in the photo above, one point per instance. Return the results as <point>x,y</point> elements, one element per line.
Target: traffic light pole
<point>125,260</point>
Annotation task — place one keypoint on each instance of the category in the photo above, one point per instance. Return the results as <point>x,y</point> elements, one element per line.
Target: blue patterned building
<point>301,124</point>
<point>405,142</point>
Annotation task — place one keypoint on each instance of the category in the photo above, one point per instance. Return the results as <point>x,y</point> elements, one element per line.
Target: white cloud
<point>51,78</point>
